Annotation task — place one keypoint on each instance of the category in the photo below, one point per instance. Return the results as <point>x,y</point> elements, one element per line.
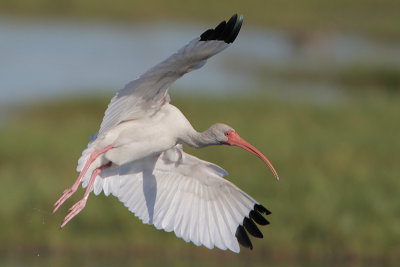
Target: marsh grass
<point>336,201</point>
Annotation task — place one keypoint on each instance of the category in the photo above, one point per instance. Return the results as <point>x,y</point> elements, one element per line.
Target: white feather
<point>145,96</point>
<point>156,181</point>
<point>203,208</point>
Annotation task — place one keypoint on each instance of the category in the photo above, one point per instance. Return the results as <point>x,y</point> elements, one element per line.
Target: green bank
<point>336,201</point>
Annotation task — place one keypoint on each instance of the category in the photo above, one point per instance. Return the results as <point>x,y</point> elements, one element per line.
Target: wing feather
<point>223,224</point>
<point>98,186</point>
<point>171,203</point>
<point>194,225</point>
<point>176,191</point>
<point>144,96</point>
<point>214,238</point>
<point>181,193</point>
<point>188,196</point>
<point>209,243</point>
<point>187,218</point>
<point>106,187</point>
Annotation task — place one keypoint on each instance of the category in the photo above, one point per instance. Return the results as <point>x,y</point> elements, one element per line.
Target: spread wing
<point>145,96</point>
<point>178,192</point>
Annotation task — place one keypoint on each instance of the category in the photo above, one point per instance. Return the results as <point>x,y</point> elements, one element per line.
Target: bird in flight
<point>137,156</point>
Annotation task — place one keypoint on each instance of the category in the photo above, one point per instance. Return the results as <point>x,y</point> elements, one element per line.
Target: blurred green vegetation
<point>359,77</point>
<point>336,202</point>
<point>370,17</point>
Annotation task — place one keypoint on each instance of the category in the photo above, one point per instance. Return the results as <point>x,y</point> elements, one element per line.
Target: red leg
<point>75,209</point>
<point>70,191</point>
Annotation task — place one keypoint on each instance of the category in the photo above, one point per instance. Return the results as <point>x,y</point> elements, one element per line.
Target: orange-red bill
<point>235,140</point>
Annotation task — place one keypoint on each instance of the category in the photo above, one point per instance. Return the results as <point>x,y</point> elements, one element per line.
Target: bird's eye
<point>226,133</point>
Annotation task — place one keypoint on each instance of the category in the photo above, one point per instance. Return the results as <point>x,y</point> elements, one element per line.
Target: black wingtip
<point>225,31</point>
<point>243,238</point>
<point>235,31</point>
<point>249,224</point>
<point>252,228</point>
<point>261,209</point>
<point>258,218</point>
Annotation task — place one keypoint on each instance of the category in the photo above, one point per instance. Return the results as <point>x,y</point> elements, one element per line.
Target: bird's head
<point>226,135</point>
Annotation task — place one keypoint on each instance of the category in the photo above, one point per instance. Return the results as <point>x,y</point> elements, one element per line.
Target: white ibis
<point>137,157</point>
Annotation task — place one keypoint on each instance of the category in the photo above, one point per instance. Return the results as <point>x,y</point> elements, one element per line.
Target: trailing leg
<point>75,209</point>
<point>70,191</point>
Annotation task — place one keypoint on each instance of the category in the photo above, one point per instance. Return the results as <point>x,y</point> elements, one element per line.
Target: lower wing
<point>178,192</point>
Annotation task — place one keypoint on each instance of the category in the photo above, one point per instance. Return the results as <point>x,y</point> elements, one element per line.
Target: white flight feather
<point>199,206</point>
<point>144,96</point>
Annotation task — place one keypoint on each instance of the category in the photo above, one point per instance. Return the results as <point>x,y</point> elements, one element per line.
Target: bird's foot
<point>74,210</point>
<point>65,195</point>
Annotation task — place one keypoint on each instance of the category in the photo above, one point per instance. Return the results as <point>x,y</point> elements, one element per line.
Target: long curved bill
<point>235,140</point>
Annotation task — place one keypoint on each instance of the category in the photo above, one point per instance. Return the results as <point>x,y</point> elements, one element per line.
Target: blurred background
<point>313,84</point>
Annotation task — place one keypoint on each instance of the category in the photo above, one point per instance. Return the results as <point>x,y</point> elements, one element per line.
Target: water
<point>48,58</point>
<point>53,58</point>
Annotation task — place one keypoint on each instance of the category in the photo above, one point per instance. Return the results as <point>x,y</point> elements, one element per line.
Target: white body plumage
<point>136,156</point>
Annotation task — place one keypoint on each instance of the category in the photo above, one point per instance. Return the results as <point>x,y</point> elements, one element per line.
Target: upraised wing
<point>179,192</point>
<point>145,96</point>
